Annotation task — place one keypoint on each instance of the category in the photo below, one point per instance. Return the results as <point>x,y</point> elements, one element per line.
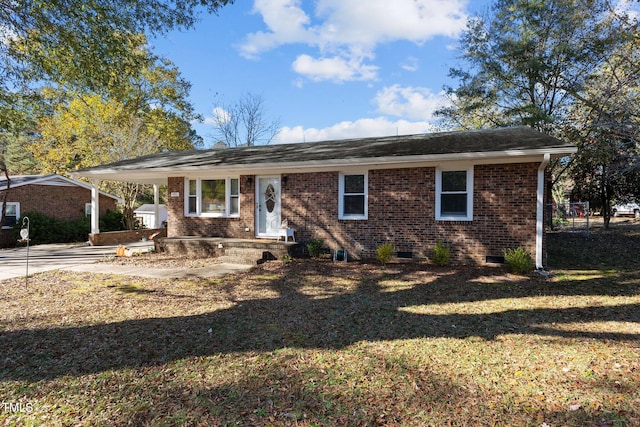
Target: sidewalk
<point>84,258</point>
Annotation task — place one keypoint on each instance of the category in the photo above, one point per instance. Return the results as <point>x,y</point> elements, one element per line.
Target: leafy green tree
<point>606,126</point>
<point>548,64</point>
<point>86,42</point>
<point>13,156</point>
<point>90,45</point>
<point>529,61</point>
<point>149,115</point>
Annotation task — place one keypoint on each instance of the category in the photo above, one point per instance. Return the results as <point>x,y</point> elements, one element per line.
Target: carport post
<point>156,206</point>
<point>95,206</point>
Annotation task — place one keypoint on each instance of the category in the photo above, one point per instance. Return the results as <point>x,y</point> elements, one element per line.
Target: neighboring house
<point>52,195</point>
<point>146,214</point>
<point>478,192</point>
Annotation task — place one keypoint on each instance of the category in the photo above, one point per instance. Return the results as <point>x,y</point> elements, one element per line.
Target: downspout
<point>540,211</point>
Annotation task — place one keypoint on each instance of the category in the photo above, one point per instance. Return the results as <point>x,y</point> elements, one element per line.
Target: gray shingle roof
<point>505,139</point>
<point>50,179</point>
<point>17,180</point>
<point>501,140</point>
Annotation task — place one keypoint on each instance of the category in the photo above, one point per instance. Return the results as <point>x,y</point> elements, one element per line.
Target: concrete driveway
<point>81,257</point>
<point>13,262</point>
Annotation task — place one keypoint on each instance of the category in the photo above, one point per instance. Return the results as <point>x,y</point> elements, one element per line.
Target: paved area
<point>80,257</point>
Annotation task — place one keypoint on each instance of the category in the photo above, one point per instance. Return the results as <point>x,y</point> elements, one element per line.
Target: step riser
<point>238,260</point>
<point>236,251</point>
<point>248,256</point>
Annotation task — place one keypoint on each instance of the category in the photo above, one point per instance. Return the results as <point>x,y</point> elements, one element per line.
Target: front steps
<point>245,256</point>
<point>227,250</point>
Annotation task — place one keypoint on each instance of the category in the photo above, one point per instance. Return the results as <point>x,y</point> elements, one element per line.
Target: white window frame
<point>228,197</point>
<point>17,205</point>
<point>469,193</point>
<point>341,195</point>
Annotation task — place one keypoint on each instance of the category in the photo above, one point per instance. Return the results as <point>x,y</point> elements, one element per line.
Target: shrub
<point>441,254</point>
<point>384,253</point>
<point>112,221</point>
<point>315,247</point>
<point>44,229</point>
<point>518,260</point>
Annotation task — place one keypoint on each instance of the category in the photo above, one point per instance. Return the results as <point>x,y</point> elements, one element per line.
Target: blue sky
<point>327,69</point>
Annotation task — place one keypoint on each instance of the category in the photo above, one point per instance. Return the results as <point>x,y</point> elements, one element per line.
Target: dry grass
<point>316,343</point>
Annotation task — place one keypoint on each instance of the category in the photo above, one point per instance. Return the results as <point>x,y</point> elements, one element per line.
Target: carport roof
<point>50,179</point>
<point>508,144</point>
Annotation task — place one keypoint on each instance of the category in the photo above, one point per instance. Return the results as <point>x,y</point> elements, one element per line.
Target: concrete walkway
<point>84,258</point>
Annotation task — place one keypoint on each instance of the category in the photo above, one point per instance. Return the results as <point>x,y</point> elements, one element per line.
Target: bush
<point>519,260</point>
<point>112,221</point>
<point>315,247</point>
<point>384,253</point>
<point>44,229</point>
<point>441,254</point>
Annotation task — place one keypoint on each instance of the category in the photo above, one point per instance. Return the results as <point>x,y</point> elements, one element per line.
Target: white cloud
<point>349,30</point>
<point>361,128</point>
<point>377,21</point>
<point>628,7</point>
<point>286,22</point>
<point>7,34</point>
<point>410,64</point>
<point>218,115</point>
<point>411,102</point>
<point>336,68</point>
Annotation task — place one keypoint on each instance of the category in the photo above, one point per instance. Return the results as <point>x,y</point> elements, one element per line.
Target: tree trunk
<point>605,198</point>
<point>130,193</point>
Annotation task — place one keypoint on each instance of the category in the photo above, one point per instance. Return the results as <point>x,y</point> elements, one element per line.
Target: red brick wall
<point>62,202</point>
<point>179,225</point>
<point>401,211</point>
<point>56,201</point>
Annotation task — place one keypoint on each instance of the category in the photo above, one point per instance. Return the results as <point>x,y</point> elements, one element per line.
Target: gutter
<point>540,211</point>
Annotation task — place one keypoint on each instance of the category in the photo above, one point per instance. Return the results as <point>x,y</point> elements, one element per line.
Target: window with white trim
<point>353,196</point>
<point>454,194</point>
<point>12,214</point>
<point>212,197</point>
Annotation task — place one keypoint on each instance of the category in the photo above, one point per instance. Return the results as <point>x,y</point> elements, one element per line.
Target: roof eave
<point>160,175</point>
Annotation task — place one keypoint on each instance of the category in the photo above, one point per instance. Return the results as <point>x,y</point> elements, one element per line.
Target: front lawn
<point>310,343</point>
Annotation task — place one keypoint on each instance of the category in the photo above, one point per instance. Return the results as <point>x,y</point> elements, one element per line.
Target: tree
<point>61,37</point>
<point>83,44</point>
<point>88,44</point>
<point>543,64</point>
<point>529,62</point>
<point>13,157</point>
<point>151,114</point>
<point>606,126</point>
<point>245,123</point>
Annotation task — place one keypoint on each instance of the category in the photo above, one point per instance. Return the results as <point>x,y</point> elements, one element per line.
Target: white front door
<point>268,206</point>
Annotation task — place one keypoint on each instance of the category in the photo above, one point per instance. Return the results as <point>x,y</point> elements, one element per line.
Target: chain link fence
<point>569,217</point>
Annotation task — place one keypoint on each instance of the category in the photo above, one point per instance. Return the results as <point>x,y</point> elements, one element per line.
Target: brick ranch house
<point>52,195</point>
<point>477,191</point>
